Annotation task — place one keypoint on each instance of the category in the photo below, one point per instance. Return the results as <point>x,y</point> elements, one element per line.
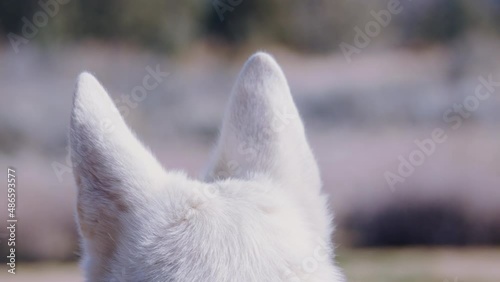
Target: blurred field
<point>360,265</point>
<point>421,265</point>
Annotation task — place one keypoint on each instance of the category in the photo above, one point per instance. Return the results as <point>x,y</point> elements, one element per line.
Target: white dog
<point>258,215</point>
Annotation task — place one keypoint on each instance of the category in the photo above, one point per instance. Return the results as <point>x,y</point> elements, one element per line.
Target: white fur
<point>258,215</point>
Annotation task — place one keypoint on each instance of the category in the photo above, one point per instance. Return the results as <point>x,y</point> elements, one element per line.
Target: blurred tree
<point>428,21</point>
<point>12,12</point>
<point>98,18</point>
<point>312,26</point>
<point>493,7</point>
<point>158,24</point>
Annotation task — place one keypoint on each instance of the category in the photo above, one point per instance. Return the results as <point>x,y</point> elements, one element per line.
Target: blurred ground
<point>419,265</point>
<point>360,265</point>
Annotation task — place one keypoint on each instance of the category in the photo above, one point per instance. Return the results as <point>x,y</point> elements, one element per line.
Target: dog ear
<point>113,170</point>
<point>262,132</point>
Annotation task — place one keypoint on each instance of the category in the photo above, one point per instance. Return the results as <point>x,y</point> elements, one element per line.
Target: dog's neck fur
<point>257,216</point>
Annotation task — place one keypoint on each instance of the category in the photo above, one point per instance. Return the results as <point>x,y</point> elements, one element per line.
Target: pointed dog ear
<point>113,170</point>
<point>262,132</point>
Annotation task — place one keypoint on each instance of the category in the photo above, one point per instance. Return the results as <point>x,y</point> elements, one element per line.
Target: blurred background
<point>369,78</point>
